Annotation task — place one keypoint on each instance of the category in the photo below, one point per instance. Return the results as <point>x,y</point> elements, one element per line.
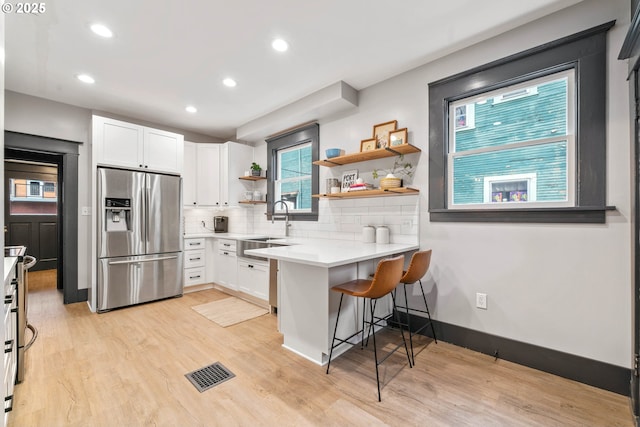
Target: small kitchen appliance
<point>220,224</point>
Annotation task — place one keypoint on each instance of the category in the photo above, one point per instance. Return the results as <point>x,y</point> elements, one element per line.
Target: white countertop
<point>329,253</point>
<point>211,234</point>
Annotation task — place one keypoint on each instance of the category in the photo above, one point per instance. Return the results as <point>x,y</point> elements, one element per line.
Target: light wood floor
<point>126,368</point>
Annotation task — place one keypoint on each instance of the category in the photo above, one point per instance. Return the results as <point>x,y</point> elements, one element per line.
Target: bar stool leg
<point>428,314</point>
<point>364,304</point>
<point>375,352</point>
<point>395,310</point>
<point>334,333</point>
<point>406,303</point>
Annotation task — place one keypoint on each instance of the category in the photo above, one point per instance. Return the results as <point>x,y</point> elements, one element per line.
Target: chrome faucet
<point>286,216</point>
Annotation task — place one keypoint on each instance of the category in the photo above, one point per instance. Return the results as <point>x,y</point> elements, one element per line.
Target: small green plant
<point>255,167</point>
<point>400,169</point>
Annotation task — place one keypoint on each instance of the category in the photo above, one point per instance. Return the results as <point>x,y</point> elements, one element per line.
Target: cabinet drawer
<point>194,276</point>
<point>227,253</point>
<point>226,244</point>
<point>194,258</point>
<point>190,244</point>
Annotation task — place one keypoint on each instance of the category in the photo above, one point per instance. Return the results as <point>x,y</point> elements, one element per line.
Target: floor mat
<point>229,311</point>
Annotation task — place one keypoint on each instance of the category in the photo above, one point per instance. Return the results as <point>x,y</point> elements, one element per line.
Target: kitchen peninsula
<point>308,268</point>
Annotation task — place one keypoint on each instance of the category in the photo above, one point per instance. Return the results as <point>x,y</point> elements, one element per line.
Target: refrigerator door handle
<point>142,260</point>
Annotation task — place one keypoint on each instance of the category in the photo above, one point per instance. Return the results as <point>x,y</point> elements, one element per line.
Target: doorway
<point>64,154</point>
<point>31,210</point>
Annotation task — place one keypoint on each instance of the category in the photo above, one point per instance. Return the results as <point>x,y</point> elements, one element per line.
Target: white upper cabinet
<point>207,175</point>
<point>163,151</point>
<point>212,171</point>
<point>122,144</point>
<point>189,175</point>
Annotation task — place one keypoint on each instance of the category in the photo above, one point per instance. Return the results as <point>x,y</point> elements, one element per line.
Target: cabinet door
<point>163,151</point>
<point>224,174</point>
<point>118,143</point>
<point>208,174</point>
<point>227,269</point>
<point>253,278</point>
<point>189,175</point>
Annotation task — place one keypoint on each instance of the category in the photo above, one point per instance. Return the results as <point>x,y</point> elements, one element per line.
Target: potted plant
<point>256,170</point>
<point>393,177</point>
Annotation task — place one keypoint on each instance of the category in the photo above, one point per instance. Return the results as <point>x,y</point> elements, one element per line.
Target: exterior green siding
<point>532,117</point>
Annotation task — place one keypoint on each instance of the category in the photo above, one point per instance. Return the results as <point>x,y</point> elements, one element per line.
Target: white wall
<point>562,286</point>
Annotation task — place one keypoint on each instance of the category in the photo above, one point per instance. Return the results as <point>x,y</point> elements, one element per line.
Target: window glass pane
<point>513,114</point>
<point>32,197</point>
<point>293,184</point>
<point>531,173</point>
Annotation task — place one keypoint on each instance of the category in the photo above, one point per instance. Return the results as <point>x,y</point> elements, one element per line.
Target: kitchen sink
<point>255,243</point>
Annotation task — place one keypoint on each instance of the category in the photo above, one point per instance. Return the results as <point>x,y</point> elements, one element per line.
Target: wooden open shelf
<point>368,155</point>
<point>252,202</point>
<point>252,178</point>
<point>401,191</point>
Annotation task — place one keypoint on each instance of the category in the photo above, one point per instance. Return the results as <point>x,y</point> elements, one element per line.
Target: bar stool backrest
<point>386,278</point>
<point>418,267</point>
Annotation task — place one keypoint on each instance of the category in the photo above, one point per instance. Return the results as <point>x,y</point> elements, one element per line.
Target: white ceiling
<point>166,54</point>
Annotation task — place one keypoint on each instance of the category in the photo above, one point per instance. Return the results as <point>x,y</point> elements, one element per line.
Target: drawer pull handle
<point>8,299</point>
<point>226,253</point>
<point>8,349</point>
<point>194,277</point>
<point>7,399</point>
<point>195,244</point>
<point>226,244</point>
<point>194,259</point>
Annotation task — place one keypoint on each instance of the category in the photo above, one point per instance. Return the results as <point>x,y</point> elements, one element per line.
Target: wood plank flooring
<point>127,367</point>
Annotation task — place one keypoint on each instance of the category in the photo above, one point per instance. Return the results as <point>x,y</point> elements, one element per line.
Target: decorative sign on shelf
<point>348,178</point>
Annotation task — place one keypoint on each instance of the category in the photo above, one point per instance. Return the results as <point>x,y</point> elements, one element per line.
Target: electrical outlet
<point>85,211</point>
<point>481,300</point>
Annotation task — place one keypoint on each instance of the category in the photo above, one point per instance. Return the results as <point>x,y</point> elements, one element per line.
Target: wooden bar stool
<point>418,267</point>
<point>386,278</point>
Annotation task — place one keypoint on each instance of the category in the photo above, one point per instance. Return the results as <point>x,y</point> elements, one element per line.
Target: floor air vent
<point>209,376</point>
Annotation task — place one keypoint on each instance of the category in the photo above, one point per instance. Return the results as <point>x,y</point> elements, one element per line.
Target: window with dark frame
<point>291,175</point>
<point>564,170</point>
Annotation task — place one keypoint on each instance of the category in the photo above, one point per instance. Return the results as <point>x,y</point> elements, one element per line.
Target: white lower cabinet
<point>226,264</point>
<point>253,277</point>
<point>194,262</point>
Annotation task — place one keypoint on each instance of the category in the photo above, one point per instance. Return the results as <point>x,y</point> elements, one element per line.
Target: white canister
<point>257,196</point>
<point>368,234</point>
<point>382,234</point>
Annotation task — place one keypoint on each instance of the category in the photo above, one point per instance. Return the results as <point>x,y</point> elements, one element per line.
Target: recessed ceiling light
<point>191,109</point>
<point>280,45</point>
<point>229,82</point>
<point>85,78</point>
<point>101,30</point>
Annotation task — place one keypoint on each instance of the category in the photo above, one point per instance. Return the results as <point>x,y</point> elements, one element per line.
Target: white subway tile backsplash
<point>340,219</point>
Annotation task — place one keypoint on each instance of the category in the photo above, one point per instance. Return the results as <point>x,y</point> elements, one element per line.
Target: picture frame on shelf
<point>348,178</point>
<point>367,145</point>
<point>398,137</point>
<point>381,133</point>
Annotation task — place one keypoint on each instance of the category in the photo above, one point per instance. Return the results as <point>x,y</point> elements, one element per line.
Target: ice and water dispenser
<point>117,214</point>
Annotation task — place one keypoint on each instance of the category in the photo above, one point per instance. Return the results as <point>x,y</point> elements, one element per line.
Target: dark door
<point>31,210</point>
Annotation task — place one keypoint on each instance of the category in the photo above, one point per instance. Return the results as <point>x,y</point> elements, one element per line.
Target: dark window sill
<point>581,214</point>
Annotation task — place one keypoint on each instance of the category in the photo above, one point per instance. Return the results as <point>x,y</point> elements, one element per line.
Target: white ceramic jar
<point>382,234</point>
<point>368,234</point>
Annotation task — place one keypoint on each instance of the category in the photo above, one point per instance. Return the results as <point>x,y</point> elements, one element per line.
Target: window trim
<point>309,133</point>
<point>584,51</point>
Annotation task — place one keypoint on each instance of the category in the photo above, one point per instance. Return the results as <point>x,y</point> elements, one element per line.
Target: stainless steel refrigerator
<point>139,238</point>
